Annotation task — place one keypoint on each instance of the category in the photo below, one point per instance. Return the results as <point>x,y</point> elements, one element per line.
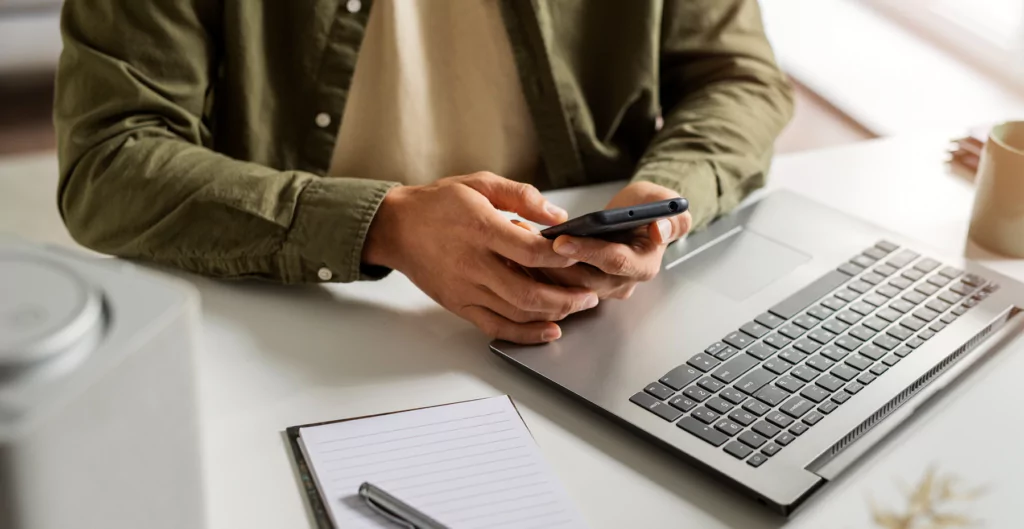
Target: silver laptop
<point>779,345</point>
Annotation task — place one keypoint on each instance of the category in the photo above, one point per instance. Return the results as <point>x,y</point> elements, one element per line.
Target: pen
<point>395,509</point>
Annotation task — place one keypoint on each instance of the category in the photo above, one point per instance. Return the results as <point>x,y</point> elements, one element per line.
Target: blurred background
<point>862,68</point>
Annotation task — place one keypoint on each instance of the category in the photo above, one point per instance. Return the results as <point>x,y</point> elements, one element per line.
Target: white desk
<point>279,356</point>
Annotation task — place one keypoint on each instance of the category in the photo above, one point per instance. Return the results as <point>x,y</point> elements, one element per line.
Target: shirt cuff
<point>697,182</point>
<point>331,221</point>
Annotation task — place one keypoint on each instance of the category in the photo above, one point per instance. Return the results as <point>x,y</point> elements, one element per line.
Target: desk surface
<point>277,356</point>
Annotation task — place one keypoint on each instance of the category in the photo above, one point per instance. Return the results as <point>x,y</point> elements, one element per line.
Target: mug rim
<point>997,132</point>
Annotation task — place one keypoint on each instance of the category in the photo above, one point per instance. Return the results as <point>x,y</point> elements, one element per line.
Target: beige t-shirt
<point>435,93</point>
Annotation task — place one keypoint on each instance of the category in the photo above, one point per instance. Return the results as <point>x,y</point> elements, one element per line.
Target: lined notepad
<point>468,465</point>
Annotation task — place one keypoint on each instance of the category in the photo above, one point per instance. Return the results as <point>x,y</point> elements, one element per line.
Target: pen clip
<point>383,511</point>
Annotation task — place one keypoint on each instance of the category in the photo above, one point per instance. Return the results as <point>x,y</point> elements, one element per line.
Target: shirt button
<point>323,119</point>
<point>353,6</point>
<point>324,274</point>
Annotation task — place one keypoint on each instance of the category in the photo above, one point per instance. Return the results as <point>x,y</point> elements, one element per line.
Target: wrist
<point>382,244</point>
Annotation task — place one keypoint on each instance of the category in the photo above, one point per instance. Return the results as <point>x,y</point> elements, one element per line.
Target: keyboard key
<point>926,314</point>
<point>926,334</point>
<point>820,363</point>
<point>854,387</point>
<point>848,342</point>
<point>927,264</point>
<point>756,407</point>
<point>862,333</point>
<point>950,297</point>
<point>682,403</point>
<point>785,439</point>
<point>807,346</point>
<point>835,326</point>
<point>798,428</point>
<point>656,406</point>
<point>844,372</point>
<point>863,260</point>
<point>858,362</point>
<point>714,348</point>
<point>738,450</point>
<point>886,246</point>
<point>757,460</point>
<point>879,369</point>
<point>813,418</point>
<point>888,315</point>
<point>751,439</point>
<point>973,280</point>
<point>765,429</point>
<point>726,353</point>
<point>696,394</point>
<point>904,351</point>
<point>875,300</point>
<point>903,258</point>
<point>913,323</point>
<point>938,305</point>
<point>796,407</point>
<point>728,427</point>
<point>828,407</point>
<point>738,339</point>
<point>938,280</point>
<point>789,384</point>
<point>937,326</point>
<point>885,270</point>
<point>834,353</point>
<point>659,390</point>
<point>840,397</point>
<point>866,378</point>
<point>777,340</point>
<point>705,415</point>
<point>742,417</point>
<point>962,289</point>
<point>705,432</point>
<point>732,395</point>
<point>771,449</point>
<point>872,352</point>
<point>806,321</point>
<point>886,342</point>
<point>811,293</point>
<point>959,311</point>
<point>887,291</point>
<point>891,360</point>
<point>833,303</point>
<point>719,405</point>
<point>829,382</point>
<point>875,324</point>
<point>914,297</point>
<point>703,362</point>
<point>679,377</point>
<point>872,278</point>
<point>769,320</point>
<point>777,366</point>
<point>805,373</point>
<point>926,288</point>
<point>792,356</point>
<point>814,394</point>
<point>779,419</point>
<point>901,306</point>
<point>859,287</point>
<point>821,336</point>
<point>791,331</point>
<point>754,381</point>
<point>948,318</point>
<point>950,272</point>
<point>820,312</point>
<point>732,369</point>
<point>912,274</point>
<point>899,332</point>
<point>849,317</point>
<point>875,253</point>
<point>754,329</point>
<point>760,351</point>
<point>901,283</point>
<point>770,395</point>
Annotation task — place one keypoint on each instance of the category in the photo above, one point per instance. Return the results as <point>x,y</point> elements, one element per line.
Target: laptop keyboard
<point>765,384</point>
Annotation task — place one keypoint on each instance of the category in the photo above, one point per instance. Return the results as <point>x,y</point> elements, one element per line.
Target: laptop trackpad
<point>739,265</point>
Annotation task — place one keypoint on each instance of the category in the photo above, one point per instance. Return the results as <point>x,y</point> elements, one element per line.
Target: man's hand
<point>450,239</point>
<point>613,269</point>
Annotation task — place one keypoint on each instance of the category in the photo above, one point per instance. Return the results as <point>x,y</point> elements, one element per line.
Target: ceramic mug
<point>997,222</point>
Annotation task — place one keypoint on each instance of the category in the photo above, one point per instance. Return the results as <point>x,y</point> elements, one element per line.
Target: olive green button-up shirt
<point>198,133</point>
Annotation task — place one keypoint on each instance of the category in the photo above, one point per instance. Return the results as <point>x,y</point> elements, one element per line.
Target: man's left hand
<point>613,269</point>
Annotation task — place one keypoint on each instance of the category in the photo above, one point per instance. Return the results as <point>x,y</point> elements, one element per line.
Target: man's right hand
<point>450,239</point>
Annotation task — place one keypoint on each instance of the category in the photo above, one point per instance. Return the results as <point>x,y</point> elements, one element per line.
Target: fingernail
<point>551,335</point>
<point>555,210</point>
<point>665,229</point>
<point>567,248</point>
<point>590,302</point>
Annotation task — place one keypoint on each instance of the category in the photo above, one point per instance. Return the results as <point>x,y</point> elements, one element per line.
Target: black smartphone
<point>617,220</point>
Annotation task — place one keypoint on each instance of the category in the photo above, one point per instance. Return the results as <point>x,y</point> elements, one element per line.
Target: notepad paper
<point>468,465</point>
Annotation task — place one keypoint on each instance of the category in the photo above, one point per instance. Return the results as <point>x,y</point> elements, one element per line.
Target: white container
<point>98,417</point>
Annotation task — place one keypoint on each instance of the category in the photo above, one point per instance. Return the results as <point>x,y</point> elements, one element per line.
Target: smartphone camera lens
<point>630,213</point>
<point>673,206</point>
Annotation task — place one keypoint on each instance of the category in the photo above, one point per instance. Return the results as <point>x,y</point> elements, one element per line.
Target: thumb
<point>522,199</point>
<point>667,230</point>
